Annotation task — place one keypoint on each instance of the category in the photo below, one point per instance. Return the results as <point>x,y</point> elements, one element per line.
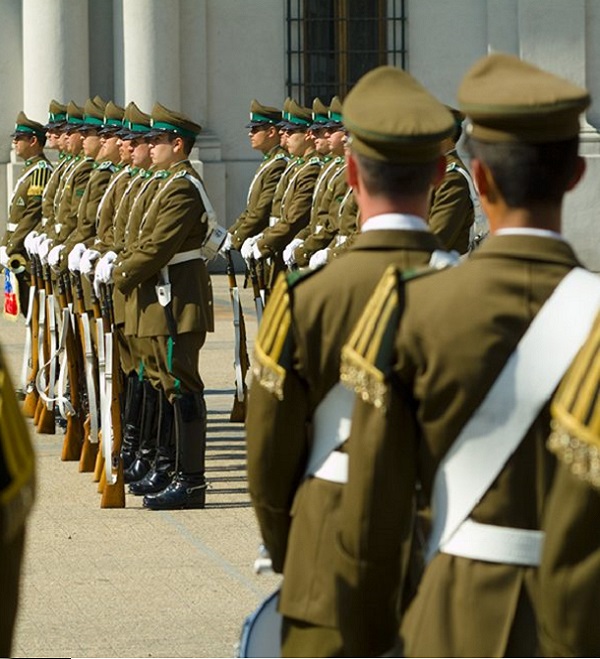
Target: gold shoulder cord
<point>17,492</point>
<point>575,436</point>
<point>367,353</point>
<point>271,340</point>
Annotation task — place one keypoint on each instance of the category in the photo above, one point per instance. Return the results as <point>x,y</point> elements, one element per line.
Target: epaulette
<point>42,164</point>
<point>272,348</point>
<point>367,355</point>
<point>315,160</point>
<point>106,164</point>
<point>161,173</point>
<point>450,167</point>
<point>339,159</point>
<point>182,173</point>
<point>575,436</point>
<point>281,156</point>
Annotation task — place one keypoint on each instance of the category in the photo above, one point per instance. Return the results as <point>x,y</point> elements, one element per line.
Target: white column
<point>55,54</point>
<point>151,61</point>
<point>194,59</point>
<point>11,98</point>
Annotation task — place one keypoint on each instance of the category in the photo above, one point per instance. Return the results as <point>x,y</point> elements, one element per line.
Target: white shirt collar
<point>529,231</point>
<point>395,221</point>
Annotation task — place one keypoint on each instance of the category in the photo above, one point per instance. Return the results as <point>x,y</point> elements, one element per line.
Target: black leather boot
<point>161,472</point>
<point>131,419</point>
<point>188,489</point>
<point>147,440</point>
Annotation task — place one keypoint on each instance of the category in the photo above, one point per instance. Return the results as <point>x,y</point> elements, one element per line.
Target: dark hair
<point>188,142</point>
<point>527,173</point>
<point>41,138</point>
<point>395,179</point>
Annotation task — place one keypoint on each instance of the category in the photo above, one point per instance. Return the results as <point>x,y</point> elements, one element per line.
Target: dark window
<point>332,43</point>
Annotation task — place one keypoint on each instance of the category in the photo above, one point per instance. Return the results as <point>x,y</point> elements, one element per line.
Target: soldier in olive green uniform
<point>296,198</point>
<point>570,568</point>
<point>56,139</point>
<point>451,213</point>
<point>298,411</point>
<point>71,187</point>
<point>329,192</point>
<point>424,357</point>
<point>333,161</point>
<point>25,210</point>
<point>17,485</point>
<point>264,137</point>
<point>148,451</point>
<point>174,297</point>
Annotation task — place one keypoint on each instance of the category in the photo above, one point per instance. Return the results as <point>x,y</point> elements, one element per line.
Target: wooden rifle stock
<point>46,420</point>
<point>87,460</point>
<point>31,394</point>
<point>100,328</point>
<point>72,443</point>
<point>241,361</point>
<point>113,494</point>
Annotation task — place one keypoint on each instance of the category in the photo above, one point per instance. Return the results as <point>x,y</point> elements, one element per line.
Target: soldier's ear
<point>351,169</point>
<point>440,171</point>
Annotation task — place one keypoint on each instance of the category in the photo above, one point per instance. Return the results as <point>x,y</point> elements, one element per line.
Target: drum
<point>261,632</point>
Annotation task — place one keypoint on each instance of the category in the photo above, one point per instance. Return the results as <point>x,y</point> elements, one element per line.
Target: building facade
<point>210,58</point>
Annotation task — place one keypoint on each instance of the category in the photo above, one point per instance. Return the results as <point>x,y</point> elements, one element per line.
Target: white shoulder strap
<point>525,384</point>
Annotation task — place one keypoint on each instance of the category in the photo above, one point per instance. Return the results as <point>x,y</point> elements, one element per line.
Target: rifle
<point>46,378</point>
<point>101,328</point>
<point>43,341</point>
<point>241,361</point>
<point>258,289</point>
<point>113,494</point>
<point>73,441</point>
<point>90,438</point>
<point>31,394</point>
<point>21,392</point>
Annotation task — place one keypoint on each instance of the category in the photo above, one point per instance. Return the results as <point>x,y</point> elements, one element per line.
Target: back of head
<point>396,130</point>
<point>523,124</point>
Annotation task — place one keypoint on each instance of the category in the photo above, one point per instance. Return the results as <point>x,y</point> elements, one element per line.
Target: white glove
<point>28,240</point>
<point>54,255</point>
<point>74,257</point>
<point>227,245</point>
<point>3,257</point>
<point>34,243</point>
<point>248,246</point>
<point>43,249</point>
<point>86,265</point>
<point>256,253</point>
<point>104,268</point>
<point>288,253</point>
<point>319,258</point>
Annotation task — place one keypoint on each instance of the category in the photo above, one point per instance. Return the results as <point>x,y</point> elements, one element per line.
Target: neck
<point>372,206</point>
<point>546,216</point>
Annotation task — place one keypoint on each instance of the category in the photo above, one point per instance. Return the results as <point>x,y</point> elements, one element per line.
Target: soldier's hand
<point>88,260</point>
<point>257,255</point>
<point>54,255</point>
<point>248,247</point>
<point>289,257</point>
<point>319,258</point>
<point>3,257</point>
<point>28,241</point>
<point>74,257</point>
<point>227,245</point>
<point>44,249</point>
<point>104,268</point>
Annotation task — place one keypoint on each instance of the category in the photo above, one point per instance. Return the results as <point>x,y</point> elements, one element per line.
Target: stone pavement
<point>137,583</point>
